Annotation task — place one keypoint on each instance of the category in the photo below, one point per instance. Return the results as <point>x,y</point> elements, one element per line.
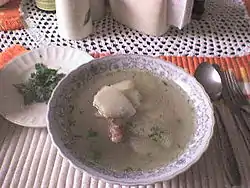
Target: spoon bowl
<point>209,77</point>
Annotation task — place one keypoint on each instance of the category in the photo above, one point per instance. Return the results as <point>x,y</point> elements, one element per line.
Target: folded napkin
<point>10,16</point>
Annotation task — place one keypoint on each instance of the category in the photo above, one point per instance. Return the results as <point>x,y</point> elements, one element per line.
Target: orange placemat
<point>10,16</point>
<point>247,4</point>
<point>10,53</point>
<point>239,65</point>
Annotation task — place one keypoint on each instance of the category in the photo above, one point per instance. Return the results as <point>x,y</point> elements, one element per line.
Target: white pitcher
<point>74,18</point>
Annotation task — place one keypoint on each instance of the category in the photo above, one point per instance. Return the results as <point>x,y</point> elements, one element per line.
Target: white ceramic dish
<point>19,69</point>
<point>61,130</point>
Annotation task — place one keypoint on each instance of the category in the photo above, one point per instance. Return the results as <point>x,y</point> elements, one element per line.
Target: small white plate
<point>18,70</point>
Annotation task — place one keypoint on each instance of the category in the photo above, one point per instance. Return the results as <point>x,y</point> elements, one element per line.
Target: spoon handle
<point>241,152</point>
<point>227,155</point>
<point>236,111</point>
<point>246,109</point>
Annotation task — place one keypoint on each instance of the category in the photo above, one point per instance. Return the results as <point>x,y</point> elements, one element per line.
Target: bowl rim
<point>36,53</point>
<point>97,175</point>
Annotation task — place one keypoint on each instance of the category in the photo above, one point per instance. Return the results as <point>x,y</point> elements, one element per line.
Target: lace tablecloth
<point>27,156</point>
<point>223,31</point>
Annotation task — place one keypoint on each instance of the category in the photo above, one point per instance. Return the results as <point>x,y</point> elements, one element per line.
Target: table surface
<point>223,31</point>
<point>27,156</point>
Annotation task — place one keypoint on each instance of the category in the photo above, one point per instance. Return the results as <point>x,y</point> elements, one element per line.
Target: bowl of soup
<point>130,119</point>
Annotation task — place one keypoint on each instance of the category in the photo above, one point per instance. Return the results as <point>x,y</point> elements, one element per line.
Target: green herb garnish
<point>149,154</point>
<point>95,155</point>
<point>131,126</point>
<point>81,111</point>
<point>156,134</point>
<point>164,82</point>
<point>128,169</point>
<point>92,133</point>
<point>40,85</point>
<point>178,120</point>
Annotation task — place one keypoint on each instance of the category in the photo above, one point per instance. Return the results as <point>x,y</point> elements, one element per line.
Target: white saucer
<point>18,70</point>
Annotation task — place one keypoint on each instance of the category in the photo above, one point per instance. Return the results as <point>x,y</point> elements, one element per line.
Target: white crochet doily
<point>223,31</point>
<point>27,156</point>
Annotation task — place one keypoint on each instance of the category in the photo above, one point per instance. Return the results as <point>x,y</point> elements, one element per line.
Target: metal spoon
<point>210,79</point>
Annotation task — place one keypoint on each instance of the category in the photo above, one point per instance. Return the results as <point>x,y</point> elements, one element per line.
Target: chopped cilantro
<point>40,85</point>
<point>128,169</point>
<point>81,111</point>
<point>131,126</point>
<point>95,155</point>
<point>164,82</point>
<point>156,134</point>
<point>149,154</point>
<point>92,133</point>
<point>178,120</point>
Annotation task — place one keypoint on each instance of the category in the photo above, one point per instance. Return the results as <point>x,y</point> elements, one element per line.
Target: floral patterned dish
<point>60,105</point>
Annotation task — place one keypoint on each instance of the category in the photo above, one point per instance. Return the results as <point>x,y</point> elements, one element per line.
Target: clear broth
<point>163,105</point>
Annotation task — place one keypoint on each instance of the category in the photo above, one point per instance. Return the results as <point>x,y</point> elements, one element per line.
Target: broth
<point>164,113</point>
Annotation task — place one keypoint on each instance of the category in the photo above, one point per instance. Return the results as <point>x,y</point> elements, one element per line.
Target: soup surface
<point>157,134</point>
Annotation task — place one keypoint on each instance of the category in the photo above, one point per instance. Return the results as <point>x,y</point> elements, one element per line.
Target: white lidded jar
<point>98,9</point>
<point>3,2</point>
<point>74,18</point>
<point>147,16</point>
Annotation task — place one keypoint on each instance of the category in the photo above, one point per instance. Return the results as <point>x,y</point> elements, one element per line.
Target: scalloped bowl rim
<point>42,50</point>
<point>111,179</point>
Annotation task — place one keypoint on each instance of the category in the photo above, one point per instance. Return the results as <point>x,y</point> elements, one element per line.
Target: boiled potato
<point>134,96</point>
<point>127,87</point>
<point>144,145</point>
<point>167,140</point>
<point>111,103</point>
<point>124,85</point>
